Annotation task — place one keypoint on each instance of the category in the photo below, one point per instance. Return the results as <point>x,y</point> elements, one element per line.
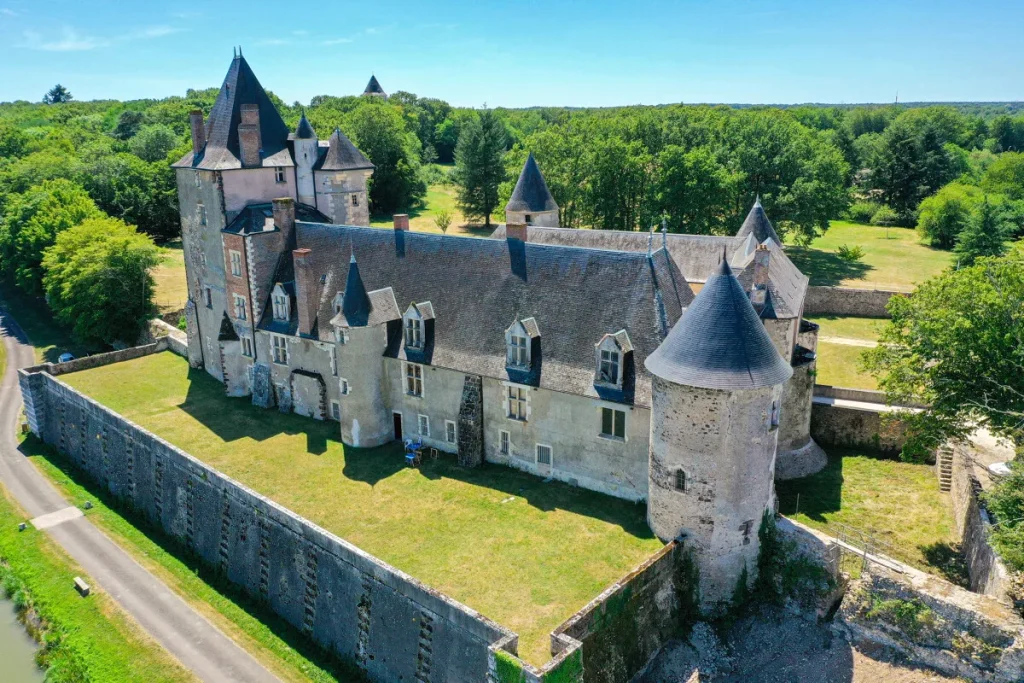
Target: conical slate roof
<point>227,330</point>
<point>342,155</point>
<point>356,302</point>
<point>222,150</point>
<point>758,225</point>
<point>304,131</point>
<point>373,87</point>
<point>719,342</point>
<point>531,192</point>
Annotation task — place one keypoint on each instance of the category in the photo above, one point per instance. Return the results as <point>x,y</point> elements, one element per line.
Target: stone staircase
<point>944,468</point>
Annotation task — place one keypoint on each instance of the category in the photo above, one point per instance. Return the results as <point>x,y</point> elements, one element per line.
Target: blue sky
<point>523,53</point>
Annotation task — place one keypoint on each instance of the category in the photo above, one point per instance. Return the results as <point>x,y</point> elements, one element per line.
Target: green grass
<point>894,258</point>
<point>91,635</point>
<point>525,553</point>
<point>171,289</point>
<point>838,367</point>
<point>48,337</point>
<point>865,329</point>
<point>440,197</point>
<point>898,503</point>
<point>268,638</point>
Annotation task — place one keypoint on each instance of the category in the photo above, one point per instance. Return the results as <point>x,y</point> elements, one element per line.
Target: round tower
<point>531,201</point>
<point>715,406</point>
<point>306,149</point>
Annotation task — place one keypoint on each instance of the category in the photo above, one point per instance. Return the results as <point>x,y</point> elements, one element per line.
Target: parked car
<point>1000,469</point>
<point>65,357</point>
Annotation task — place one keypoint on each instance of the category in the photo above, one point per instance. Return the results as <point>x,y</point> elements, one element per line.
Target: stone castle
<point>580,355</point>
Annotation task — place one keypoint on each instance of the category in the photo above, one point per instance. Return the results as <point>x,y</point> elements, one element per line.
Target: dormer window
<point>339,299</point>
<point>414,322</point>
<point>282,304</point>
<point>413,332</point>
<point>278,174</point>
<point>610,359</point>
<point>519,342</point>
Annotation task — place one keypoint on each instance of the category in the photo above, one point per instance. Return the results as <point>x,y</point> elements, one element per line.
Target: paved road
<point>194,641</point>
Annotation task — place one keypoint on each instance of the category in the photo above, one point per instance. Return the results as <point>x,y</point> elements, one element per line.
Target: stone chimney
<point>759,287</point>
<point>401,222</point>
<point>195,119</point>
<point>516,231</point>
<point>249,141</point>
<point>306,299</point>
<point>284,219</point>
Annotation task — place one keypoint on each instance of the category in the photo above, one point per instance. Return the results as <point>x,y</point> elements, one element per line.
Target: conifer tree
<point>479,169</point>
<point>985,235</point>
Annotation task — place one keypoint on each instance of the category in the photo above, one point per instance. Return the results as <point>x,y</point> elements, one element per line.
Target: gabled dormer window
<point>519,342</point>
<point>414,322</point>
<point>413,332</point>
<point>282,303</point>
<point>339,299</point>
<point>610,358</point>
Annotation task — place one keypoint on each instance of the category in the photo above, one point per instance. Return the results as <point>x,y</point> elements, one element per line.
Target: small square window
<point>543,454</point>
<point>202,215</point>
<point>681,482</point>
<point>279,174</point>
<point>613,423</point>
<point>775,415</point>
<point>336,410</point>
<point>343,385</point>
<point>355,200</point>
<point>504,443</point>
<point>424,425</point>
<point>247,347</point>
<point>527,219</point>
<point>450,431</point>
<point>208,295</point>
<point>339,335</point>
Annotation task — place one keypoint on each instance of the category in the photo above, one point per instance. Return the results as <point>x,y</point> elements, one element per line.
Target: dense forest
<point>102,167</point>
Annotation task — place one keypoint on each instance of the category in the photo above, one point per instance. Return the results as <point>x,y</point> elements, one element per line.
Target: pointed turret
<point>227,330</point>
<point>531,201</point>
<point>356,302</point>
<point>304,131</point>
<point>719,342</point>
<point>758,225</point>
<point>342,155</point>
<point>373,89</point>
<point>306,148</point>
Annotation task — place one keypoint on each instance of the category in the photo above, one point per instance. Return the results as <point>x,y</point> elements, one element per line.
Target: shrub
<point>851,254</point>
<point>885,216</point>
<point>863,212</point>
<point>443,219</point>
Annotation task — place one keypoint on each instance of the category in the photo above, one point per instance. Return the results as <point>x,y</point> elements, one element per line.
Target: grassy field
<point>838,367</point>
<point>848,327</point>
<point>523,552</point>
<point>440,197</point>
<point>171,291</point>
<point>894,258</point>
<point>96,639</point>
<point>898,503</point>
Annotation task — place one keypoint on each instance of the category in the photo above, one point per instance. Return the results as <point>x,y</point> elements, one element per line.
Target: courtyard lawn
<point>525,553</point>
<point>898,503</point>
<point>838,367</point>
<point>848,327</point>
<point>95,636</point>
<point>171,290</point>
<point>894,258</point>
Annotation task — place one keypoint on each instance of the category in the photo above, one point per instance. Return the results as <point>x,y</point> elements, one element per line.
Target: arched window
<point>681,482</point>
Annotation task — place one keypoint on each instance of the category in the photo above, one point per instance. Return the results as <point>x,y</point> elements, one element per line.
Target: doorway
<point>398,426</point>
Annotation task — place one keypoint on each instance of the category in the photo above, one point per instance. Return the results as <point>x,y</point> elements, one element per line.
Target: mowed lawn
<point>525,553</point>
<point>898,503</point>
<point>838,362</point>
<point>171,290</point>
<point>441,197</point>
<point>894,258</point>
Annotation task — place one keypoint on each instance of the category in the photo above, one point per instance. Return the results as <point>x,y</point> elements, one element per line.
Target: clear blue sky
<point>523,53</point>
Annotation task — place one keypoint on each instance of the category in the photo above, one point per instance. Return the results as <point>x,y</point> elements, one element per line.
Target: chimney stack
<point>516,231</point>
<point>306,298</point>
<point>284,219</point>
<point>249,141</point>
<point>759,288</point>
<point>195,119</point>
<point>401,222</point>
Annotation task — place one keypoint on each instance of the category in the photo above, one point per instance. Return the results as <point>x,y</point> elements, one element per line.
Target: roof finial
<point>664,233</point>
<point>239,50</point>
<point>723,255</point>
<point>234,52</point>
<point>650,241</point>
<point>758,199</point>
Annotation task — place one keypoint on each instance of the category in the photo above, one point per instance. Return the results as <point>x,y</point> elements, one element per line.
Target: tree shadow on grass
<point>826,268</point>
<point>814,495</point>
<point>215,579</point>
<point>948,560</point>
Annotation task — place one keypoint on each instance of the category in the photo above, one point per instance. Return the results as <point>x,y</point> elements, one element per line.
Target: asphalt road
<point>189,637</point>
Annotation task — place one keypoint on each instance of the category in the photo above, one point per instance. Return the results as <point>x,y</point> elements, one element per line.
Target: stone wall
<point>856,427</point>
<point>390,625</point>
<point>988,573</point>
<point>862,395</point>
<point>864,303</point>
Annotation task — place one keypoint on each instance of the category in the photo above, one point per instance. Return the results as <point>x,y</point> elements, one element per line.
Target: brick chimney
<point>284,219</point>
<point>195,119</point>
<point>401,222</point>
<point>516,231</point>
<point>306,298</point>
<point>249,141</point>
<point>759,287</point>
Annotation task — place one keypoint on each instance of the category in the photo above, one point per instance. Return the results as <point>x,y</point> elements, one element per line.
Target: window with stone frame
<point>518,399</point>
<point>775,416</point>
<point>413,379</point>
<point>610,358</point>
<point>247,347</point>
<point>236,262</point>
<point>340,336</point>
<point>336,410</point>
<point>279,174</point>
<point>613,423</point>
<point>239,306</point>
<point>281,303</point>
<point>413,332</point>
<point>355,200</point>
<point>343,386</point>
<point>504,443</point>
<point>450,431</point>
<point>280,347</point>
<point>208,296</point>
<point>423,423</point>
<point>202,214</point>
<point>681,480</point>
<point>543,454</point>
<point>518,350</point>
<point>609,370</point>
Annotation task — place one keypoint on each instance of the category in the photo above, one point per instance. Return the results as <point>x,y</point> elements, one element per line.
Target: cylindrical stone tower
<point>716,402</point>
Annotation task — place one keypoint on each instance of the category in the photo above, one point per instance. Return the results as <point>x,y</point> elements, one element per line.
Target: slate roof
<point>253,218</point>
<point>222,151</point>
<point>758,225</point>
<point>786,284</point>
<point>342,155</point>
<point>478,287</point>
<point>719,342</point>
<point>227,330</point>
<point>383,308</point>
<point>373,87</point>
<point>303,131</point>
<point>531,192</point>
